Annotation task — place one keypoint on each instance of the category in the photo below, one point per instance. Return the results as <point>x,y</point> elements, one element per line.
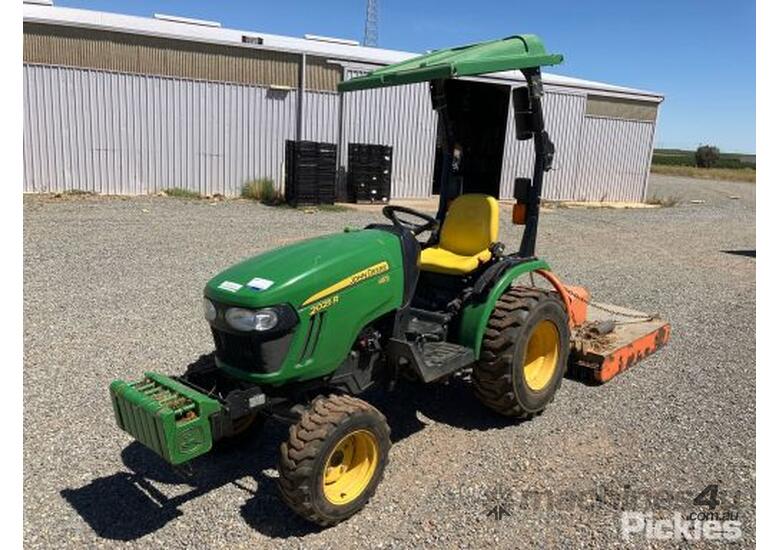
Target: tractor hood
<point>304,272</point>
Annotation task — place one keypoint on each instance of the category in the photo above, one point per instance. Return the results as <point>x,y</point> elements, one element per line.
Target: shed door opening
<point>478,114</point>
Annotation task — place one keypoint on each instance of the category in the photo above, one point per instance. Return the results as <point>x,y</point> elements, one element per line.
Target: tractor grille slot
<point>312,336</point>
<point>251,352</point>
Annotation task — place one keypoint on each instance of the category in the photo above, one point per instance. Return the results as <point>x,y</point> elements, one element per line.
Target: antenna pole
<point>371,31</point>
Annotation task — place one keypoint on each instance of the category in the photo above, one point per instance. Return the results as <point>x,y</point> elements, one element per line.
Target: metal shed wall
<point>128,134</point>
<point>400,116</point>
<point>563,113</point>
<point>152,55</point>
<point>615,156</point>
<point>122,133</point>
<point>596,158</point>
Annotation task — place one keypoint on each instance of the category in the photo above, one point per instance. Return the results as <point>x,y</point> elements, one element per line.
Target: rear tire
<point>334,459</point>
<point>524,354</point>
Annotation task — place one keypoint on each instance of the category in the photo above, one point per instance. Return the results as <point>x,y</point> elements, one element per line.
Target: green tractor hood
<point>302,273</point>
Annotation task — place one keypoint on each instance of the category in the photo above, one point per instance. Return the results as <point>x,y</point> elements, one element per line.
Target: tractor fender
<point>476,314</point>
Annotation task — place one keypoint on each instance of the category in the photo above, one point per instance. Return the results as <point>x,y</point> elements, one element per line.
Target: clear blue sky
<point>699,53</point>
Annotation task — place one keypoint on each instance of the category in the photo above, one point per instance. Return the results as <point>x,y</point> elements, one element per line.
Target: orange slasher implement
<point>606,339</point>
<point>610,339</point>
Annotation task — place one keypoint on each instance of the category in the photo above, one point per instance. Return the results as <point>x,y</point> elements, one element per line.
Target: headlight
<point>209,311</point>
<point>246,319</point>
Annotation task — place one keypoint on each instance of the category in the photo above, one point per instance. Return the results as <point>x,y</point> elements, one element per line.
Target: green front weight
<point>167,417</point>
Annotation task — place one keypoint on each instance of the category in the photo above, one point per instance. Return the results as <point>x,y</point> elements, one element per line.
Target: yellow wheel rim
<point>541,355</point>
<point>350,467</point>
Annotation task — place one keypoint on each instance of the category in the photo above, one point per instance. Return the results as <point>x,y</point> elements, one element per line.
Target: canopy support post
<point>439,100</point>
<point>543,153</point>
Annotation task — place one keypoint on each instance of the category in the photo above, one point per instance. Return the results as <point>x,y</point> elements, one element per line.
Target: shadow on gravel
<point>266,513</point>
<point>581,376</point>
<point>452,403</point>
<point>748,253</point>
<point>128,505</point>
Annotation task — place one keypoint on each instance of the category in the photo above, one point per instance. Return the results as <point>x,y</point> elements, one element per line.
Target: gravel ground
<point>112,288</point>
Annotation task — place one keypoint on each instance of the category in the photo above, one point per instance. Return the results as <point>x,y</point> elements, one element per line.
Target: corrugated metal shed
<point>217,35</point>
<point>130,134</point>
<point>151,55</point>
<point>118,125</point>
<point>563,118</point>
<point>614,159</point>
<point>401,117</point>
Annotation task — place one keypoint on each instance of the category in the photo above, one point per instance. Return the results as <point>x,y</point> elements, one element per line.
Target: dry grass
<point>663,201</point>
<point>181,193</point>
<point>333,208</point>
<point>615,205</point>
<point>262,190</point>
<point>725,174</point>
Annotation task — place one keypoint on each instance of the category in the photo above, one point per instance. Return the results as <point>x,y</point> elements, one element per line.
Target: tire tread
<point>299,453</point>
<point>492,375</point>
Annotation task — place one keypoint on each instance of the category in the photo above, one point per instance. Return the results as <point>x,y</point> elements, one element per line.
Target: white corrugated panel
<point>400,116</point>
<point>563,114</point>
<point>614,159</point>
<point>321,116</point>
<point>595,158</point>
<point>133,134</point>
<point>129,134</point>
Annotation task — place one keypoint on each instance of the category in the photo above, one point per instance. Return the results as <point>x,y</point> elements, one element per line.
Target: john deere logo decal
<point>190,439</point>
<point>355,278</point>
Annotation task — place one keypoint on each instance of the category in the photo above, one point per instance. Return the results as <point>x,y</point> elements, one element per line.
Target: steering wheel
<point>431,223</point>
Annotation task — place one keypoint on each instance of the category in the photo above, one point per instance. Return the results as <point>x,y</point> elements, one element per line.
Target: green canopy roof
<point>515,52</point>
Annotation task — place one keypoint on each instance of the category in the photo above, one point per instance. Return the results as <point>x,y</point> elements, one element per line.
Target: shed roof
<point>56,15</point>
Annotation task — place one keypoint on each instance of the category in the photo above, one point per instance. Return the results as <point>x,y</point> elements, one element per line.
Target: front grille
<point>251,352</point>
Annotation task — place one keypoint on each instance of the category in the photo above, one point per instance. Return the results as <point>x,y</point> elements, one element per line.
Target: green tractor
<point>301,331</point>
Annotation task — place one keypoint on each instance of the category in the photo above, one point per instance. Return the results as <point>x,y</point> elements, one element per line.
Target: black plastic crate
<point>370,172</point>
<point>310,172</point>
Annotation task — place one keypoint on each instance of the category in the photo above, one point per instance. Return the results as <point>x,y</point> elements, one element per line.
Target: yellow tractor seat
<point>470,227</point>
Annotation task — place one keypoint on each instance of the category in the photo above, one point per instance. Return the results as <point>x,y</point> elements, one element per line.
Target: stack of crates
<point>370,171</point>
<point>310,172</point>
<point>326,173</point>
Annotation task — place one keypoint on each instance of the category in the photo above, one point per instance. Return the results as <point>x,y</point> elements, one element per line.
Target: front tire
<point>524,354</point>
<point>334,459</point>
